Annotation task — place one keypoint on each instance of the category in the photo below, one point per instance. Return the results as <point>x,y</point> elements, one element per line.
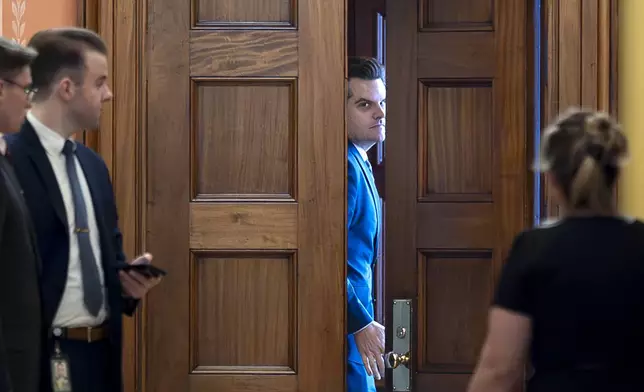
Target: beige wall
<point>22,18</point>
<point>631,99</point>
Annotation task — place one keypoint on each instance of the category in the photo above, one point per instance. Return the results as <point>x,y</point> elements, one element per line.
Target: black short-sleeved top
<point>581,281</point>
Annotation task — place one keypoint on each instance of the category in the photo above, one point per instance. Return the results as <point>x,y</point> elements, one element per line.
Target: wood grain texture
<point>581,62</point>
<point>247,13</point>
<point>167,347</point>
<point>126,174</point>
<point>466,278</point>
<point>241,226</point>
<point>321,179</point>
<point>452,55</point>
<point>242,383</point>
<point>248,53</point>
<point>244,139</point>
<point>118,140</point>
<point>244,312</point>
<point>229,126</point>
<point>455,225</point>
<point>455,133</point>
<point>454,207</point>
<point>89,17</point>
<point>460,15</point>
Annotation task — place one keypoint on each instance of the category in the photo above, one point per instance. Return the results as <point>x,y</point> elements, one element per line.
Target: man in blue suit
<point>365,127</point>
<point>68,192</point>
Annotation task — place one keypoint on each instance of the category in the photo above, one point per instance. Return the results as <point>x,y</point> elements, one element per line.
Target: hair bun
<point>596,151</point>
<point>584,151</point>
<point>606,142</point>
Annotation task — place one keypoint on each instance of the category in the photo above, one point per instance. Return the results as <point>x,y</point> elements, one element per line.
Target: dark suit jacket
<point>20,311</point>
<point>45,203</point>
<point>362,231</point>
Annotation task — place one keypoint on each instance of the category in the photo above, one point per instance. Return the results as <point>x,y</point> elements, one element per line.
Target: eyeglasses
<point>29,91</point>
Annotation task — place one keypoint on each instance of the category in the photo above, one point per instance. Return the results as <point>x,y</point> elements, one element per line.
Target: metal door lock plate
<point>402,319</point>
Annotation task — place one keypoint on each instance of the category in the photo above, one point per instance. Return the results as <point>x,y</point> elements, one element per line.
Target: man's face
<point>88,101</point>
<point>14,100</point>
<point>366,112</point>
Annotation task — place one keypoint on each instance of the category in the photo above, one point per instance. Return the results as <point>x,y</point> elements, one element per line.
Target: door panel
<point>456,171</point>
<point>246,156</point>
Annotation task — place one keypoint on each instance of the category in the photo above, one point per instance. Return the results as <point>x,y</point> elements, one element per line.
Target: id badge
<point>60,373</point>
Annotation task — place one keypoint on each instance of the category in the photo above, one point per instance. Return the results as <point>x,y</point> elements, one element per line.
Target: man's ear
<point>66,89</point>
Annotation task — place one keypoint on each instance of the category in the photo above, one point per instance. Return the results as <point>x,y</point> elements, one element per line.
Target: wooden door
<point>246,157</point>
<point>456,171</point>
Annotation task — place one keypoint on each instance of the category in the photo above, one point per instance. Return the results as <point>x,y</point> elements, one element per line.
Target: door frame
<point>121,143</point>
<point>580,63</point>
<point>122,137</point>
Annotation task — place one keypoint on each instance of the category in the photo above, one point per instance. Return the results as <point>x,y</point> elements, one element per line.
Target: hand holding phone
<point>147,270</point>
<point>139,276</point>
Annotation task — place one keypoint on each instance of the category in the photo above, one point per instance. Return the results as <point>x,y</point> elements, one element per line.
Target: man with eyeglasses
<point>20,306</point>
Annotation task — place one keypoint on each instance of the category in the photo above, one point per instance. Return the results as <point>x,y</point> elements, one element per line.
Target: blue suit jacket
<point>45,204</point>
<point>362,232</point>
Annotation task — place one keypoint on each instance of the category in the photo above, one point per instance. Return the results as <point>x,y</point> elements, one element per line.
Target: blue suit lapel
<point>372,186</point>
<point>368,175</point>
<point>39,158</point>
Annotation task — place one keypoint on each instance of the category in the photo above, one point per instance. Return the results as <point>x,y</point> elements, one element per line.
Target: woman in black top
<point>570,300</point>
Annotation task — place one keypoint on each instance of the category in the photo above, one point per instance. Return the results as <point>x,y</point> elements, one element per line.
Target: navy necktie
<point>92,290</point>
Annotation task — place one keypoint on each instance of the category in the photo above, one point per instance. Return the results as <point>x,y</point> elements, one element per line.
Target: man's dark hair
<point>61,52</point>
<point>365,68</point>
<point>14,57</point>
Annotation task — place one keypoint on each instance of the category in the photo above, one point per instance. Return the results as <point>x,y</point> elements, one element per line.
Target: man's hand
<point>371,345</point>
<point>136,285</point>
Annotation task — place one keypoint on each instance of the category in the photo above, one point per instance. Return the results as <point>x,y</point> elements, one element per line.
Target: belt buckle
<point>89,334</point>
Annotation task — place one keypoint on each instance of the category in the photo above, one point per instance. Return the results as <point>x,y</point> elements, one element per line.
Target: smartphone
<point>147,270</point>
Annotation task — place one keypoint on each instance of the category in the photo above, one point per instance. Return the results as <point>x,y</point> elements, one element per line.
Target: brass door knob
<point>393,360</point>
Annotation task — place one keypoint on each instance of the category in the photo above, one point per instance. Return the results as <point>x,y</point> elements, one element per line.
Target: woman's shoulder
<point>554,229</point>
<point>555,223</point>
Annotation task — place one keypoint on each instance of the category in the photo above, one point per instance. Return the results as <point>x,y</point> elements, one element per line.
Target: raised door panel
<point>456,171</point>
<point>245,196</point>
<point>247,12</point>
<point>456,15</point>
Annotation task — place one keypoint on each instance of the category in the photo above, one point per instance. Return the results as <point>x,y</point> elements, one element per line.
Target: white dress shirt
<point>71,311</point>
<point>362,152</point>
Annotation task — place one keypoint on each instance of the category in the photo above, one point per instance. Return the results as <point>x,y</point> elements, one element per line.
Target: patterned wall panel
<point>20,19</point>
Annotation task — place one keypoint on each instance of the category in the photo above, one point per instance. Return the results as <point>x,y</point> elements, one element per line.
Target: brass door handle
<point>393,360</point>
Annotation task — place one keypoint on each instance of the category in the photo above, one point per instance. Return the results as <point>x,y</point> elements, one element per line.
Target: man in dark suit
<point>20,310</point>
<point>365,127</point>
<point>69,194</point>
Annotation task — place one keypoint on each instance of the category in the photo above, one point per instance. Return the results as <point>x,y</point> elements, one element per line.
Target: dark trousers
<point>89,366</point>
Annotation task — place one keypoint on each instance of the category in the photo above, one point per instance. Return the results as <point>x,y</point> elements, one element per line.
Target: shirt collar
<point>3,145</point>
<point>51,141</point>
<point>362,152</point>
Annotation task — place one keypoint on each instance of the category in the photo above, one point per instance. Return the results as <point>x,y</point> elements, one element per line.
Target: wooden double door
<point>245,186</point>
<point>453,170</point>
